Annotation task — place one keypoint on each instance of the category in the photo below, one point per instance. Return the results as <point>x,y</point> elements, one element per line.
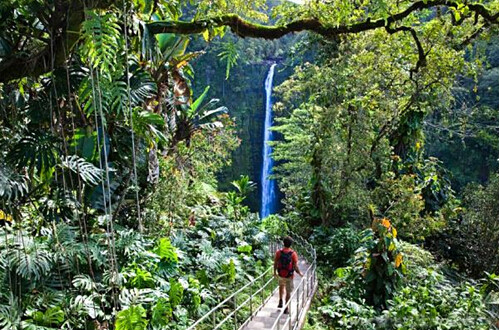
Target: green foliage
<point>88,172</point>
<point>52,318</point>
<point>101,36</point>
<point>427,299</point>
<point>10,316</point>
<point>335,246</point>
<point>383,267</point>
<point>176,292</point>
<point>246,248</point>
<point>12,185</point>
<point>30,259</point>
<point>431,304</point>
<point>37,152</point>
<point>244,185</point>
<point>275,225</point>
<point>166,251</point>
<point>352,126</point>
<point>346,314</point>
<point>229,270</point>
<point>229,54</point>
<point>162,313</point>
<point>471,242</point>
<point>132,318</point>
<point>142,279</point>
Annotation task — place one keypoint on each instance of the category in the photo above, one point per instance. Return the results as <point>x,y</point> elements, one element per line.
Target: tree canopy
<point>36,37</point>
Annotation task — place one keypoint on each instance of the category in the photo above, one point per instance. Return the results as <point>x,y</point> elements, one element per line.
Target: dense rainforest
<point>131,161</point>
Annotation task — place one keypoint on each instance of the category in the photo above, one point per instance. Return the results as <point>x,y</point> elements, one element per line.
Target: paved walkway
<point>266,317</point>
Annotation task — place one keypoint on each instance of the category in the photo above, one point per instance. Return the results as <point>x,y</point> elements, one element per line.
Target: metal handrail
<point>233,298</point>
<point>233,314</point>
<point>307,286</point>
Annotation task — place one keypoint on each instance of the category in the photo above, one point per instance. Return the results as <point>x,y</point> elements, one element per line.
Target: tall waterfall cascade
<point>269,194</point>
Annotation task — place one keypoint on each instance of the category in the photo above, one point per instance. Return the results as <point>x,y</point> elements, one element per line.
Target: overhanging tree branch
<point>421,52</point>
<point>19,65</point>
<point>245,28</point>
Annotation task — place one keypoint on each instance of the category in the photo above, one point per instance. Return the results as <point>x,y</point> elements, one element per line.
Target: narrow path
<point>267,316</point>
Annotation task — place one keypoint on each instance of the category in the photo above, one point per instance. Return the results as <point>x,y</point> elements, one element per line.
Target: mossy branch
<point>245,28</point>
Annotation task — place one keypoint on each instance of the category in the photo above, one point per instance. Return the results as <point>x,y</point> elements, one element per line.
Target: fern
<point>230,55</point>
<point>101,42</point>
<point>88,98</point>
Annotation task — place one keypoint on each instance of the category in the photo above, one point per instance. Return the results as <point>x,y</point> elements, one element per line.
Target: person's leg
<point>289,290</point>
<point>282,285</point>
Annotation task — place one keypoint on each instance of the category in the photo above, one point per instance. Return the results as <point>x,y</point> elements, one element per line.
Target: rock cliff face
<point>243,93</point>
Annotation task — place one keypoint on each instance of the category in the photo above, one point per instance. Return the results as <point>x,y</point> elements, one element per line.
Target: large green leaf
<point>197,103</point>
<point>132,318</point>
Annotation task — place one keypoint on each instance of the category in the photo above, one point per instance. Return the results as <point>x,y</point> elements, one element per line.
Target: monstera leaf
<point>132,318</point>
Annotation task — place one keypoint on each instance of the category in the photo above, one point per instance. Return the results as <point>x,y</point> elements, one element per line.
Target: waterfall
<point>268,201</point>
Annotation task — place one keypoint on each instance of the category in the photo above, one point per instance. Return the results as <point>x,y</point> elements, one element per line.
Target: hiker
<point>285,264</point>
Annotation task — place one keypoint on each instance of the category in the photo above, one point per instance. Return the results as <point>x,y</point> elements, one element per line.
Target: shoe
<point>286,311</point>
<point>280,304</point>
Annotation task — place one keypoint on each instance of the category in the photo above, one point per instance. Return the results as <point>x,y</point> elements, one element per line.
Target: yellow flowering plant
<point>383,266</point>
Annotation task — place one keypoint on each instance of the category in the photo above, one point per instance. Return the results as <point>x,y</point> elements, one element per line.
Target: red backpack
<point>285,266</point>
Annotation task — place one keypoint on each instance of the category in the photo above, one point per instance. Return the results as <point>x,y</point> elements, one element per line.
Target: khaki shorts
<point>288,283</point>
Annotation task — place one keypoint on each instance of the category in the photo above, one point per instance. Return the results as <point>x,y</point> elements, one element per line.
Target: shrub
<point>436,304</point>
<point>425,299</point>
<point>335,246</point>
<point>380,262</point>
<point>343,313</point>
<point>472,242</point>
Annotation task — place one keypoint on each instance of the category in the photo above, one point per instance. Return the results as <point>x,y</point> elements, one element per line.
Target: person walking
<point>285,264</point>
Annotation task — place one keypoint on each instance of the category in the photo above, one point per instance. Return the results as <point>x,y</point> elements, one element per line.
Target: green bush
<point>379,262</point>
<point>334,246</point>
<point>436,304</point>
<point>472,242</point>
<point>427,298</point>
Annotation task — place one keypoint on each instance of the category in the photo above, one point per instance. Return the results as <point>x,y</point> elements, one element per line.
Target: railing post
<point>235,312</point>
<point>305,285</point>
<point>263,289</point>
<point>251,299</point>
<point>297,303</point>
<point>304,295</point>
<point>310,281</point>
